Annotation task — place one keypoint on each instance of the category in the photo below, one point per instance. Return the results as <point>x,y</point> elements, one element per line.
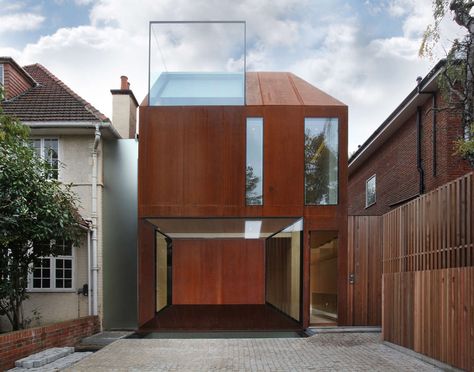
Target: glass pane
<point>36,146</point>
<point>197,63</point>
<point>45,283</point>
<point>59,263</point>
<point>36,283</point>
<point>59,273</point>
<point>68,274</point>
<point>283,270</point>
<point>68,283</point>
<point>254,169</point>
<point>161,271</point>
<point>46,273</point>
<point>370,192</point>
<point>59,283</point>
<point>321,161</point>
<point>45,262</point>
<point>67,264</point>
<point>37,273</point>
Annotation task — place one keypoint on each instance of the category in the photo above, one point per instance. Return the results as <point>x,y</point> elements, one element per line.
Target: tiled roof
<point>50,100</point>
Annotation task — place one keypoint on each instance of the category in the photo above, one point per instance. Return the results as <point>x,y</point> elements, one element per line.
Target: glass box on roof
<point>197,63</point>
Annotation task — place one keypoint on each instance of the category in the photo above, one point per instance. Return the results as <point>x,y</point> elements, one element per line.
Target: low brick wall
<point>16,345</point>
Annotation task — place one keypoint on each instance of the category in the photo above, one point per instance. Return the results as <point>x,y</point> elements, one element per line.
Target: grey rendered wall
<point>120,234</point>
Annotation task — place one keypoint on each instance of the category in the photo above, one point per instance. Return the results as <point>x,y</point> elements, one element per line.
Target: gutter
<point>72,124</point>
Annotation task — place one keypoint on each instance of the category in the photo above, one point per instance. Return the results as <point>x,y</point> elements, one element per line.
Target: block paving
<point>321,352</point>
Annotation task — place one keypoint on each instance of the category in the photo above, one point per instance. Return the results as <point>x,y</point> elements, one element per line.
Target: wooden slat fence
<point>428,274</point>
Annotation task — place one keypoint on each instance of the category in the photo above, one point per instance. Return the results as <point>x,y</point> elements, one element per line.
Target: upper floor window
<point>321,152</point>
<point>54,272</point>
<point>370,191</point>
<point>254,167</point>
<point>47,148</point>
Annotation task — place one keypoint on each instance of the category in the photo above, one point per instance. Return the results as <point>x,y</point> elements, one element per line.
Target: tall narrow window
<point>370,191</point>
<point>254,168</point>
<point>321,161</point>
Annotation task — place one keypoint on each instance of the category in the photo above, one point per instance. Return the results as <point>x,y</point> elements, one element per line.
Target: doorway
<point>323,277</point>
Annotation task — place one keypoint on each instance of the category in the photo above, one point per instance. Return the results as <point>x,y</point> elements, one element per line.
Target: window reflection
<point>321,161</point>
<point>254,168</point>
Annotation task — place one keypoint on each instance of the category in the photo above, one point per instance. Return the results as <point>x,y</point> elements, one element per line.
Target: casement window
<point>48,148</point>
<point>54,273</point>
<point>2,76</point>
<point>370,191</point>
<point>254,167</point>
<point>321,153</point>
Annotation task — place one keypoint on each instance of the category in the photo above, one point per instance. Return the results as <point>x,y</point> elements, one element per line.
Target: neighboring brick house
<point>411,153</point>
<point>70,132</point>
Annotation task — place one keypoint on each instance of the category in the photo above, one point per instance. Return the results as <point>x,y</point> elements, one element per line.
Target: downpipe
<point>94,267</point>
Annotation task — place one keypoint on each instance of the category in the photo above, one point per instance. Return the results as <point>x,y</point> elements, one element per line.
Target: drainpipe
<point>435,163</point>
<point>89,266</point>
<point>89,273</point>
<point>419,164</point>
<point>94,268</point>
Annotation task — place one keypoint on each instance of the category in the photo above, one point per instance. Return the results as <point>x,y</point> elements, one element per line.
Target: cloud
<point>20,22</point>
<point>324,44</point>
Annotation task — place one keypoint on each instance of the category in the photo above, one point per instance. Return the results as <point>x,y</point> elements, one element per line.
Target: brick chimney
<point>124,109</point>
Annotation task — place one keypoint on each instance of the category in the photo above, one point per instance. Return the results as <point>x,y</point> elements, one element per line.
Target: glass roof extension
<point>197,63</point>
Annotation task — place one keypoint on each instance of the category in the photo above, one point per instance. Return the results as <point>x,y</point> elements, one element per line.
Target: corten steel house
<point>242,203</point>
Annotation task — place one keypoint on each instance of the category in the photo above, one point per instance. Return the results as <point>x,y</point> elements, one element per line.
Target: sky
<point>362,52</point>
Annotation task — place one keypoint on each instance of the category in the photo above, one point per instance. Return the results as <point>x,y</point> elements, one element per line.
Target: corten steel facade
<point>415,158</point>
<point>192,163</point>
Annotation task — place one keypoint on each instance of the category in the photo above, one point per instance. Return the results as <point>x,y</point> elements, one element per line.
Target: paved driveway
<point>322,352</point>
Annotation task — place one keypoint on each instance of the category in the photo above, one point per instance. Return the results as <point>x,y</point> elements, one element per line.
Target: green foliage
<point>318,158</point>
<point>251,183</point>
<point>456,81</point>
<point>33,210</point>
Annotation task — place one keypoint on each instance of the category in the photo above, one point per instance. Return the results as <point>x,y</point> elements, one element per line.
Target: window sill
<point>48,290</point>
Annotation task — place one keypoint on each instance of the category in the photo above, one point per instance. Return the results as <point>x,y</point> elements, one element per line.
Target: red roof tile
<point>50,100</point>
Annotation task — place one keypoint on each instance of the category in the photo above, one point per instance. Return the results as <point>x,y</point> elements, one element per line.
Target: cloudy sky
<point>363,52</point>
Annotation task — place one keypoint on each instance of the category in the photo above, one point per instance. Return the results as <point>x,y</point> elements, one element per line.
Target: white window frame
<point>42,139</point>
<point>373,177</point>
<point>52,268</point>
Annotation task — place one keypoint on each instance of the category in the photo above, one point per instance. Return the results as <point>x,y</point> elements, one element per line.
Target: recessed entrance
<point>227,274</point>
<point>323,277</point>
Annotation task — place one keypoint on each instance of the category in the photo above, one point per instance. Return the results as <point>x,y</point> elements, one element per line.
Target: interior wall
<point>282,253</point>
<point>218,271</point>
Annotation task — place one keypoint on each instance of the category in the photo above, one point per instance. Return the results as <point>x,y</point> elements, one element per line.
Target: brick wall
<point>19,344</point>
<point>394,162</point>
<point>14,83</point>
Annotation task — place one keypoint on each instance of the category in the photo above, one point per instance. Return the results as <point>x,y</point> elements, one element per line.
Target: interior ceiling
<point>207,228</point>
<point>318,238</point>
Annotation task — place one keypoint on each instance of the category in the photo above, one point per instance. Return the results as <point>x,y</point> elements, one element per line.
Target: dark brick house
<point>412,152</point>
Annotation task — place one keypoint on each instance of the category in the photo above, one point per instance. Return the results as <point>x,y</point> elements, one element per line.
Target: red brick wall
<point>14,83</point>
<point>19,344</point>
<point>394,162</point>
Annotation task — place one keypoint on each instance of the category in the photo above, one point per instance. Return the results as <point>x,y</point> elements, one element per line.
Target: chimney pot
<point>418,80</point>
<point>124,84</point>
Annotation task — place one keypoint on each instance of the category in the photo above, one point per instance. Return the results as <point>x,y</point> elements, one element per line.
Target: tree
<point>457,78</point>
<point>320,162</point>
<point>251,183</point>
<point>35,213</point>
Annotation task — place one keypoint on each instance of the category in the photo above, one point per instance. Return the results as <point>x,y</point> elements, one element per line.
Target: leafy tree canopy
<point>457,78</point>
<point>35,212</point>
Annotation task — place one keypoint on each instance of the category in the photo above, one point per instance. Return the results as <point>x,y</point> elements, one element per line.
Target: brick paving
<point>321,352</point>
